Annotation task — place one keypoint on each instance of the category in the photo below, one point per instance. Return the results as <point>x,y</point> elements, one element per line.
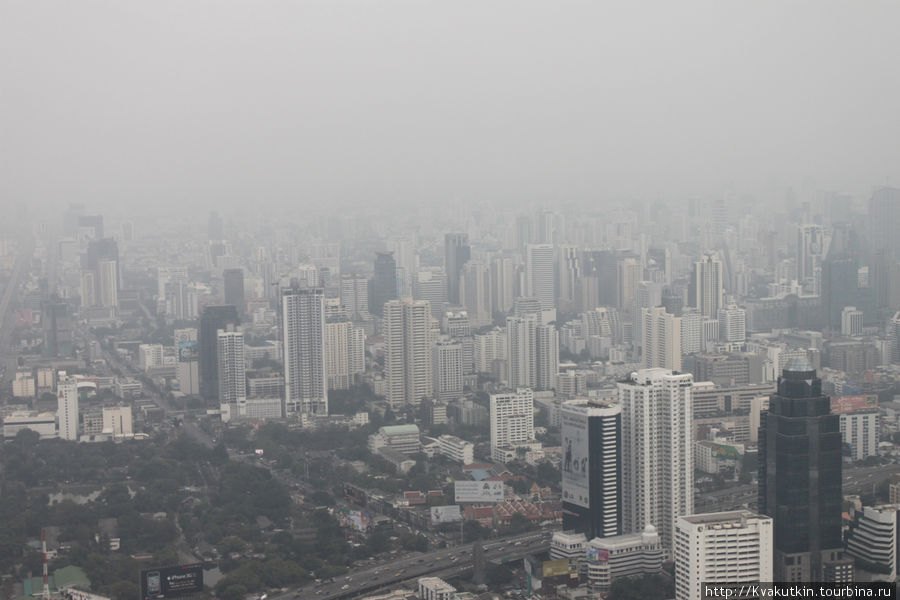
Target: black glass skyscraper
<point>212,320</point>
<point>457,253</point>
<point>214,228</point>
<point>234,288</point>
<point>800,475</point>
<point>384,283</point>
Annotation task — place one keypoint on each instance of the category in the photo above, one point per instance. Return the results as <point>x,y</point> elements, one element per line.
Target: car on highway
<point>345,586</point>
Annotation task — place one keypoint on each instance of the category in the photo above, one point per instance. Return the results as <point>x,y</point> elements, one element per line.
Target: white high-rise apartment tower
<point>407,351</point>
<point>488,347</point>
<point>108,272</point>
<point>662,339</point>
<point>305,371</point>
<point>568,272</point>
<point>232,370</point>
<point>475,293</point>
<point>520,344</point>
<point>447,368</point>
<point>706,291</point>
<point>532,353</point>
<point>337,353</point>
<point>729,548</point>
<point>355,296</point>
<point>539,274</point>
<point>811,247</point>
<point>357,352</point>
<point>732,324</point>
<point>647,294</point>
<point>546,356</point>
<point>657,451</point>
<point>851,321</point>
<point>629,272</point>
<point>512,421</point>
<point>691,331</point>
<point>503,284</point>
<point>67,408</point>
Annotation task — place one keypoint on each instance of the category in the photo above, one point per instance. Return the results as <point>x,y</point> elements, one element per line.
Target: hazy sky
<point>226,101</point>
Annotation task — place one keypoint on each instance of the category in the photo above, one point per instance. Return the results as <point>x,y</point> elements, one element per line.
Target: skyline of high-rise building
<point>355,296</point>
<point>800,475</point>
<point>231,367</point>
<point>381,300</point>
<point>706,291</point>
<point>447,369</point>
<point>187,365</point>
<point>407,351</point>
<point>512,422</point>
<point>884,221</point>
<point>303,339</point>
<point>726,548</point>
<point>212,320</point>
<point>67,408</point>
<point>233,283</point>
<point>100,277</point>
<point>657,451</point>
<point>662,339</point>
<point>384,282</point>
<point>540,274</point>
<point>475,292</point>
<point>591,434</point>
<point>457,253</point>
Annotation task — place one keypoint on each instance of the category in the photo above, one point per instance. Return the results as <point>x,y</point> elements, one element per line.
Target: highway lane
<point>7,321</point>
<point>439,562</point>
<point>857,480</point>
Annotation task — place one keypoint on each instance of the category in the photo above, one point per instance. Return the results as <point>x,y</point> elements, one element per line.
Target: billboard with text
<point>478,491</point>
<point>171,582</point>
<point>849,404</point>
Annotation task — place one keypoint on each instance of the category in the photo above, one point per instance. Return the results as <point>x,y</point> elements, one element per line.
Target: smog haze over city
<point>299,104</point>
<point>306,299</point>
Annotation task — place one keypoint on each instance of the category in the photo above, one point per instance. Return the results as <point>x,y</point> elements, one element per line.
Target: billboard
<point>445,514</point>
<point>575,480</point>
<point>188,350</point>
<point>595,554</point>
<point>849,404</point>
<point>725,451</point>
<point>555,568</point>
<point>356,519</point>
<point>478,491</point>
<point>171,582</point>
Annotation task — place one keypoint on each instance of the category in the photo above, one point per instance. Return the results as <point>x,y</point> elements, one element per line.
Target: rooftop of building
<point>569,537</point>
<point>28,415</point>
<point>437,584</point>
<point>723,518</point>
<point>623,541</point>
<point>399,430</point>
<point>799,364</point>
